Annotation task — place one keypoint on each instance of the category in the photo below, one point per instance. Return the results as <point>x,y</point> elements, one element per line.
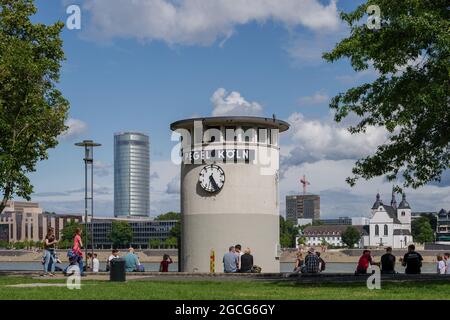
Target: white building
<point>360,221</point>
<point>390,225</point>
<point>315,235</point>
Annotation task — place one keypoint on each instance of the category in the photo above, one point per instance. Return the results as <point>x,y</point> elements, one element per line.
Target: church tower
<point>404,212</point>
<point>393,201</point>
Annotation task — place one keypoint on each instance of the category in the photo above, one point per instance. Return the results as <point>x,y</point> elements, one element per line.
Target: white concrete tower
<point>229,189</point>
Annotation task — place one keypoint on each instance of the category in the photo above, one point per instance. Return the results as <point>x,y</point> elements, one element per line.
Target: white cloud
<point>102,169</point>
<point>173,187</point>
<point>199,22</point>
<point>314,140</point>
<point>233,104</point>
<point>316,98</point>
<point>76,128</point>
<point>357,76</point>
<point>338,199</point>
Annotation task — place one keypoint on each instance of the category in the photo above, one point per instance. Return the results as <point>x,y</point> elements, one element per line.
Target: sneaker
<point>44,275</point>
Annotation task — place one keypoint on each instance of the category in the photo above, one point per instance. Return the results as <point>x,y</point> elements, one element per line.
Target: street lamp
<point>88,161</point>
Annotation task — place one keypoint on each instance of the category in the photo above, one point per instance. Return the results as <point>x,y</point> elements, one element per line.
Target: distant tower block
<point>229,189</point>
<point>131,174</point>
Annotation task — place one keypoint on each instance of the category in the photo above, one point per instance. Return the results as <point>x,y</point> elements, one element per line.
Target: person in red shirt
<point>164,265</point>
<point>364,262</point>
<point>77,245</point>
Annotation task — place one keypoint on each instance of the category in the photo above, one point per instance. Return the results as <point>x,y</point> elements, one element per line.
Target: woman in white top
<point>95,264</point>
<point>440,265</point>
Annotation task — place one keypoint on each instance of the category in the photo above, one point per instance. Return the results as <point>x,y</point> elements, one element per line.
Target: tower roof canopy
<point>271,123</point>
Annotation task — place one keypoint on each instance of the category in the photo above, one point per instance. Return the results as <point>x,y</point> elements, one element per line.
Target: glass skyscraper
<point>131,174</point>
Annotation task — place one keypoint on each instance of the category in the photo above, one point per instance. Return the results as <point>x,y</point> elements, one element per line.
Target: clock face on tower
<point>212,178</point>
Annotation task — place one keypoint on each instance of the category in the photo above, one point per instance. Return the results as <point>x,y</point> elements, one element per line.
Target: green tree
<point>19,245</point>
<point>68,232</point>
<point>176,230</point>
<point>288,233</point>
<point>351,236</point>
<point>169,216</point>
<point>421,230</point>
<point>32,110</point>
<point>410,98</point>
<point>154,243</point>
<point>432,219</point>
<point>324,242</point>
<point>301,241</point>
<point>121,234</point>
<point>171,242</point>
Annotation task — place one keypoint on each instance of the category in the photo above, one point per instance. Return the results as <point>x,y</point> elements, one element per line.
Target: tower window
<point>403,213</point>
<point>385,230</point>
<point>377,230</point>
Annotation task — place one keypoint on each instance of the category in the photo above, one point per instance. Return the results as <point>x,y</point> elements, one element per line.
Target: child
<point>164,265</point>
<point>440,265</point>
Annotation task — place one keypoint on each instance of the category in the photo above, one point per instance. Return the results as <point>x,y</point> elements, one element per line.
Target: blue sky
<point>141,65</point>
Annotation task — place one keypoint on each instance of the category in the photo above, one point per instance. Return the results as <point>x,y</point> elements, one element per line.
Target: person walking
<point>246,261</point>
<point>388,262</point>
<point>164,265</point>
<point>230,261</point>
<point>312,262</point>
<point>49,253</point>
<point>412,260</point>
<point>77,246</point>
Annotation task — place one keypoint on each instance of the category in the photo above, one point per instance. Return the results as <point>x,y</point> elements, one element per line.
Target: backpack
<point>256,269</point>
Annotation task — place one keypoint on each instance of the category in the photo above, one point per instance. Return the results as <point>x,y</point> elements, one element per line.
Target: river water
<point>331,267</point>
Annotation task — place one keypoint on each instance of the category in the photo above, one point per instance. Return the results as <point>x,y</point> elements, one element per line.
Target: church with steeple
<point>390,225</point>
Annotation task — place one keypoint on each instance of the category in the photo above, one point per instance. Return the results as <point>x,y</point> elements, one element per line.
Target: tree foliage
<point>32,110</point>
<point>121,234</point>
<point>288,232</point>
<point>421,230</point>
<point>351,236</point>
<point>68,231</point>
<point>154,243</point>
<point>176,230</point>
<point>171,215</point>
<point>410,98</point>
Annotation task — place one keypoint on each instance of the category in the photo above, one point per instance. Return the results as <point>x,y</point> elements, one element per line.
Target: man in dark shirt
<point>312,262</point>
<point>412,261</point>
<point>388,262</point>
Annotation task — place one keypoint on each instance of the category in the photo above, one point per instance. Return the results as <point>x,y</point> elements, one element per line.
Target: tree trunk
<point>6,196</point>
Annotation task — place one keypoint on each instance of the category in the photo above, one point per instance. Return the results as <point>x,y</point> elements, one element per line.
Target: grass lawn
<point>185,290</point>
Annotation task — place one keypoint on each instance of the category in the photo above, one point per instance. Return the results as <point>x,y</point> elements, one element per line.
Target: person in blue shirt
<point>131,261</point>
<point>230,261</point>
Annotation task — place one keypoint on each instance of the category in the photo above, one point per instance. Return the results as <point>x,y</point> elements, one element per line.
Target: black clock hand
<point>213,182</point>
